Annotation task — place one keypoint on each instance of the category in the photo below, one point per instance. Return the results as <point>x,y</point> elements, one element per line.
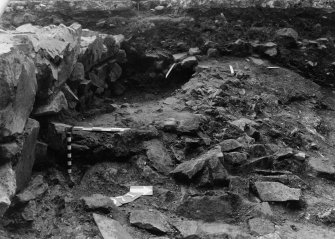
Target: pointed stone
<point>110,229</point>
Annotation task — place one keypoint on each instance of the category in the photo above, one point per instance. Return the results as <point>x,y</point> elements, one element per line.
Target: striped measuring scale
<point>69,132</point>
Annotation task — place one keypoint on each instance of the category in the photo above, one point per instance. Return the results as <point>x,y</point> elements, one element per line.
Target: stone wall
<point>44,71</point>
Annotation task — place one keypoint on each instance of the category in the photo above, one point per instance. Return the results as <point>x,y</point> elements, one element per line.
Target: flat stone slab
<point>277,192</point>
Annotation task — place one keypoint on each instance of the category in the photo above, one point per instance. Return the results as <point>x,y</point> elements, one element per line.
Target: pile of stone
<point>45,70</point>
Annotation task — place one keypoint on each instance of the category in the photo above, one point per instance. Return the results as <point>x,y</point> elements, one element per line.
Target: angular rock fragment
<point>7,187</point>
<point>209,162</point>
<point>18,86</point>
<point>110,229</point>
<point>35,189</point>
<point>9,152</point>
<point>230,145</point>
<point>57,104</point>
<point>158,156</point>
<point>235,158</point>
<point>287,36</point>
<point>322,167</point>
<point>189,62</point>
<point>153,221</point>
<point>277,192</point>
<point>194,51</point>
<point>24,164</point>
<point>187,228</point>
<point>179,57</point>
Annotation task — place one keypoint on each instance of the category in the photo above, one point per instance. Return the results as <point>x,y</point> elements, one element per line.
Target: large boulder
<point>16,173</point>
<point>56,49</point>
<point>24,164</point>
<point>17,85</point>
<point>7,187</point>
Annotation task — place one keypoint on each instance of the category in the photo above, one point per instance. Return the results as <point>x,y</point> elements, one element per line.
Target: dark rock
<point>9,152</point>
<point>235,158</point>
<point>218,173</point>
<point>230,145</point>
<point>189,62</point>
<point>56,136</point>
<point>57,103</point>
<point>115,72</point>
<point>207,208</point>
<point>29,211</point>
<point>24,165</point>
<point>210,161</point>
<point>257,150</point>
<point>239,185</point>
<point>277,192</point>
<point>36,188</point>
<point>287,37</point>
<point>78,73</point>
<point>153,221</point>
<point>158,156</point>
<point>260,226</point>
<point>190,123</point>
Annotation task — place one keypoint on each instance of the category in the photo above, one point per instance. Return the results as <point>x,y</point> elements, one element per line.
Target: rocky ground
<point>237,139</point>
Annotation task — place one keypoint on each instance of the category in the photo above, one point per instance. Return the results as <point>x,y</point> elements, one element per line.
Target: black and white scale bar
<point>77,128</point>
<point>69,150</point>
<point>100,129</point>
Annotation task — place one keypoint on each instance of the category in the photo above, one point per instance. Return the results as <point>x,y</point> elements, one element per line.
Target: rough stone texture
<point>110,229</point>
<point>24,165</point>
<point>56,135</point>
<point>235,158</point>
<point>322,167</point>
<point>9,152</point>
<point>207,208</point>
<point>150,220</point>
<point>239,185</point>
<point>56,105</point>
<point>98,201</point>
<point>7,187</point>
<point>17,85</point>
<point>230,145</point>
<point>57,49</point>
<point>260,226</point>
<point>35,189</point>
<point>208,166</point>
<point>158,156</point>
<point>277,192</point>
<point>287,36</point>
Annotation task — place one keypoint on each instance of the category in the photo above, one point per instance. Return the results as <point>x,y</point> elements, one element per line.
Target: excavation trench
<point>226,135</point>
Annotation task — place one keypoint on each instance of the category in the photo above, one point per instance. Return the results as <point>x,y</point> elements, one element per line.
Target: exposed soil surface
<point>290,112</point>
